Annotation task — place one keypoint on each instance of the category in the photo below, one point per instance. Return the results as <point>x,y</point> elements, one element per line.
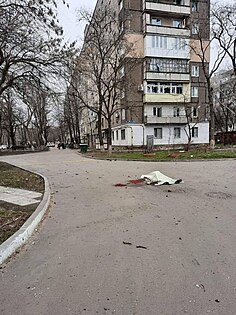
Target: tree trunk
<point>212,115</point>
<point>109,136</point>
<point>100,131</point>
<point>12,136</point>
<point>77,128</point>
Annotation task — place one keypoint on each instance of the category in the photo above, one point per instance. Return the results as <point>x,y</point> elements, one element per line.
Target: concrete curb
<point>18,239</point>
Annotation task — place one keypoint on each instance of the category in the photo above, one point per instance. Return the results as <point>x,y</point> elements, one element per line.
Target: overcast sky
<point>67,17</point>
<point>73,30</point>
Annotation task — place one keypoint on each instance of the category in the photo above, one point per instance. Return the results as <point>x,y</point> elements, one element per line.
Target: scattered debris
<point>143,247</point>
<point>157,178</point>
<point>127,243</point>
<point>201,286</point>
<point>195,262</point>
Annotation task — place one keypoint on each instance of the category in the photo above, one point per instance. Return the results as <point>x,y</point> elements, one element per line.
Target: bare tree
<point>104,54</point>
<point>29,48</point>
<point>224,29</point>
<point>10,117</point>
<point>200,46</point>
<point>225,102</point>
<point>38,100</point>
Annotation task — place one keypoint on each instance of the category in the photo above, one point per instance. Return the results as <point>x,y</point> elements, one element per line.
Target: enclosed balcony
<point>166,47</point>
<point>156,23</point>
<point>175,7</point>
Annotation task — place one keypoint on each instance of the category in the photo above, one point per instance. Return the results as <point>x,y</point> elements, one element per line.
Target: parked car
<point>3,147</point>
<point>50,144</point>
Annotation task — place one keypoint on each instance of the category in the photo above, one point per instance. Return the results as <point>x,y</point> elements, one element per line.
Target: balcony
<point>174,77</point>
<point>164,30</point>
<point>165,120</point>
<point>174,7</point>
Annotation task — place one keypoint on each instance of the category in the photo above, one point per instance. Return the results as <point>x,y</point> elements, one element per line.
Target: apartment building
<point>224,97</point>
<point>165,92</point>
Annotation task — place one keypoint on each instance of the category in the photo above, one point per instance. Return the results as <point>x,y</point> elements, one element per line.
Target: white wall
<point>168,134</point>
<point>136,135</point>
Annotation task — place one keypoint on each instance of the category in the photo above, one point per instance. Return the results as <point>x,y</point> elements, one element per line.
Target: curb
<point>18,239</point>
<point>157,161</point>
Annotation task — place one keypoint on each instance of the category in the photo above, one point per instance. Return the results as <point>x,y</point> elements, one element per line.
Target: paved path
<point>77,262</point>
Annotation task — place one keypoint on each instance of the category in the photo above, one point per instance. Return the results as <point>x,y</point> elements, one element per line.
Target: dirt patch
<point>12,216</point>
<point>15,177</point>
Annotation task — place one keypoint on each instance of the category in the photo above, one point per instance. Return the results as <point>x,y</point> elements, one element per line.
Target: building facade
<point>224,97</point>
<point>164,94</point>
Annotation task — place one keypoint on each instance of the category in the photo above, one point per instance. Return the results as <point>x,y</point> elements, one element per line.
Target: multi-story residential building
<point>165,92</point>
<point>224,97</point>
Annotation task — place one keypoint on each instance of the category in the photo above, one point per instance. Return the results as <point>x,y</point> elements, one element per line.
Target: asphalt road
<point>79,261</point>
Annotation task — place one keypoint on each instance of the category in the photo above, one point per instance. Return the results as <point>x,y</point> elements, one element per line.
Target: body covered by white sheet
<point>157,178</point>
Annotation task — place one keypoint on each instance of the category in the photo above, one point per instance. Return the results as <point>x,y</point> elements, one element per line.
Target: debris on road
<point>157,178</point>
<point>201,286</point>
<point>127,243</point>
<point>120,185</point>
<point>143,247</point>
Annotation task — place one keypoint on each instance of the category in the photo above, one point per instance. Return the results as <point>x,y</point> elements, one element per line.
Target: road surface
<point>136,249</point>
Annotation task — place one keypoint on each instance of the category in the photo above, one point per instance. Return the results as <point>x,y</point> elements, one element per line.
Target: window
<point>122,134</point>
<point>178,2</point>
<point>170,43</point>
<point>122,93</point>
<point>195,71</point>
<point>167,65</point>
<point>121,5</point>
<point>194,6</point>
<point>122,71</point>
<point>195,132</point>
<point>194,112</point>
<point>177,23</point>
<point>117,117</point>
<point>179,44</point>
<point>194,91</point>
<point>121,27</point>
<point>176,111</point>
<point>164,88</point>
<point>159,42</point>
<point>155,21</point>
<point>195,28</point>
<point>123,113</point>
<point>177,132</point>
<point>113,135</point>
<point>153,65</point>
<point>117,135</point>
<point>158,133</point>
<point>157,111</point>
<point>102,122</point>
